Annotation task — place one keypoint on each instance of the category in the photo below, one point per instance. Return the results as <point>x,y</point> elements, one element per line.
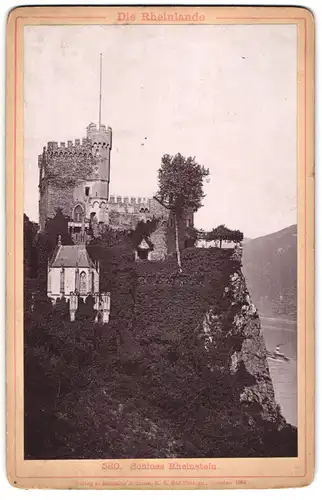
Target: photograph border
<point>97,474</point>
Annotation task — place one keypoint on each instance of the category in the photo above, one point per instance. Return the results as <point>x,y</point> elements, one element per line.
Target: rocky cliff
<point>234,338</point>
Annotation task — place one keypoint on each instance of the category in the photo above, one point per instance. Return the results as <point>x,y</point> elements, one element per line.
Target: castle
<point>75,177</point>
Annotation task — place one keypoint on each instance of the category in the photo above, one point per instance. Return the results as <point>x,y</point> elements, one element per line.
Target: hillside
<point>270,269</point>
<point>180,370</point>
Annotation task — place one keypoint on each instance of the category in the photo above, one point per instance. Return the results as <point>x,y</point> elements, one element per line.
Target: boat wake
<point>277,355</point>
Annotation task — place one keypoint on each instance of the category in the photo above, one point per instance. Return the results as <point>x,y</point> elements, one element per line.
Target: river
<point>283,332</point>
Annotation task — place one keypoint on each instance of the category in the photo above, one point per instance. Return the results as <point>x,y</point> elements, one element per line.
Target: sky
<point>225,94</point>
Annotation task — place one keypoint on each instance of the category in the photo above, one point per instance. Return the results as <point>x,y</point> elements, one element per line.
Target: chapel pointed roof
<point>71,256</point>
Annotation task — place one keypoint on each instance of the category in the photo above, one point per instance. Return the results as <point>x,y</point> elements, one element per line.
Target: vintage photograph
<point>160,241</point>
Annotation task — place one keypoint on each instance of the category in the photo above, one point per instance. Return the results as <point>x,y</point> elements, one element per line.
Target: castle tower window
<point>87,191</point>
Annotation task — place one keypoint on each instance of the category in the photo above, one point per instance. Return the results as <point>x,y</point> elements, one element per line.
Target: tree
<point>57,226</point>
<point>223,233</point>
<point>180,187</point>
<point>30,231</point>
<point>201,234</point>
<point>143,231</point>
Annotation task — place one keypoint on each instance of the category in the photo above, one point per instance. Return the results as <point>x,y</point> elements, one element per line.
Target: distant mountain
<point>270,269</point>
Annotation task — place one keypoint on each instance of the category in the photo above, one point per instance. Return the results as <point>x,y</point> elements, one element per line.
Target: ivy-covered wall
<point>61,169</point>
<point>178,372</point>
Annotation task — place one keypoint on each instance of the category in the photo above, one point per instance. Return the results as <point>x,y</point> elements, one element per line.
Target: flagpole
<point>100,100</point>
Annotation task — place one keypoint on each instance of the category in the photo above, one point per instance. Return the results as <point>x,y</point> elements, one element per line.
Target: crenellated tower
<point>101,143</point>
<point>75,177</point>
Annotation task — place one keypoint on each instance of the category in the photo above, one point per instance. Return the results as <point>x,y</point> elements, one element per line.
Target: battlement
<point>77,147</point>
<point>129,200</point>
<point>98,139</point>
<point>71,144</point>
<point>92,128</point>
<point>81,152</point>
<point>99,136</point>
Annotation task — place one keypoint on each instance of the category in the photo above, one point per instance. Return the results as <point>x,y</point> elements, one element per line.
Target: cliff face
<point>233,337</point>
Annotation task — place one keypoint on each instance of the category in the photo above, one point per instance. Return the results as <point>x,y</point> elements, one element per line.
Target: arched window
<point>62,280</point>
<point>93,282</point>
<point>78,213</point>
<point>82,283</point>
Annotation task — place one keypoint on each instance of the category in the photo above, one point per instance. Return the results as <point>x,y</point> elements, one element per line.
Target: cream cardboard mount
<point>161,337</point>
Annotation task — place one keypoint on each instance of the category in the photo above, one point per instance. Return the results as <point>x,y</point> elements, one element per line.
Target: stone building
<point>72,277</point>
<point>71,271</point>
<point>75,177</point>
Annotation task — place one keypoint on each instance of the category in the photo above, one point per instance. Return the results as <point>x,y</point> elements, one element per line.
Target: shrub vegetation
<point>138,387</point>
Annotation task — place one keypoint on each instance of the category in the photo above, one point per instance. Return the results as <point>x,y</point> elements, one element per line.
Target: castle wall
<point>158,210</point>
<point>129,204</point>
<point>126,221</point>
<point>96,189</point>
<point>79,172</point>
<point>60,198</point>
<point>52,199</point>
<point>95,201</point>
<point>159,240</point>
<point>98,207</point>
<point>126,211</point>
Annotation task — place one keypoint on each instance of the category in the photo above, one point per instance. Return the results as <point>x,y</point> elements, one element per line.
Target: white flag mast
<point>100,99</point>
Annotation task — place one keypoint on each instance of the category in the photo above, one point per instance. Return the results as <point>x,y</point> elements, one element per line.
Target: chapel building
<point>71,271</point>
